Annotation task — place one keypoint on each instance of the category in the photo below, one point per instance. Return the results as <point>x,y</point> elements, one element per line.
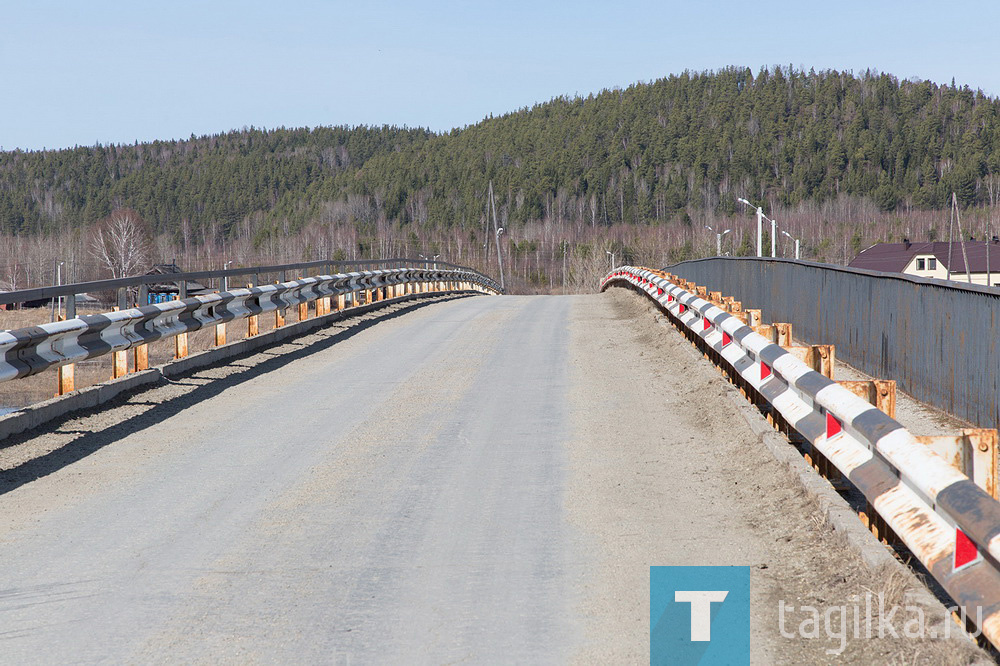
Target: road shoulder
<point>680,479</point>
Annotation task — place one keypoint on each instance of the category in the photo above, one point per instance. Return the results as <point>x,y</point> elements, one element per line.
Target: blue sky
<point>79,73</point>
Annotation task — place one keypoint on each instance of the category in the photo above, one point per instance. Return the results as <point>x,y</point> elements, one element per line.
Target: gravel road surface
<point>460,481</point>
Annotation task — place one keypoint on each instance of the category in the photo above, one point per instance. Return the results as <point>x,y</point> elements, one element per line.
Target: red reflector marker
<point>833,426</point>
<point>708,324</point>
<point>726,339</point>
<point>681,309</point>
<point>659,291</point>
<point>965,550</point>
<point>765,371</point>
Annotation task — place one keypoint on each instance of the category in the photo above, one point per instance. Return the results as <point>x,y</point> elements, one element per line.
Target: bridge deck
<point>472,480</point>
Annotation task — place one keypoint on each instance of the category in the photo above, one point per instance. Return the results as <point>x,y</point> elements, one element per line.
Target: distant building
<point>166,291</point>
<point>931,260</point>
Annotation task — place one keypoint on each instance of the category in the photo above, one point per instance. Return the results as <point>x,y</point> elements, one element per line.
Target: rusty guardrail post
<point>66,374</point>
<point>818,357</point>
<point>879,392</point>
<point>973,452</point>
<point>141,358</point>
<point>65,378</point>
<point>119,359</point>
<point>279,313</point>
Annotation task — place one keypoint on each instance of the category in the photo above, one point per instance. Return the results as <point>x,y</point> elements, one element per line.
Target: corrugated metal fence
<point>937,339</point>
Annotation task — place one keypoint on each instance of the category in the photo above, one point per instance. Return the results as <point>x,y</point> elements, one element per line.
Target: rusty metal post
<point>119,359</point>
<point>820,358</point>
<point>279,318</point>
<point>141,360</point>
<point>982,450</point>
<point>973,452</point>
<point>879,392</point>
<point>220,334</point>
<point>119,364</point>
<point>66,378</point>
<point>885,395</point>
<point>784,334</point>
<point>824,359</point>
<point>303,311</point>
<point>753,317</point>
<point>766,331</point>
<point>181,345</point>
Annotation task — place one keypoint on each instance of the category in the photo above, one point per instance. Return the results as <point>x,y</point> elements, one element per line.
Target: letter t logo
<point>701,610</point>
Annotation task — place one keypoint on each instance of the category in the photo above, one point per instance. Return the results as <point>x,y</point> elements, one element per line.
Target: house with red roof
<point>936,260</point>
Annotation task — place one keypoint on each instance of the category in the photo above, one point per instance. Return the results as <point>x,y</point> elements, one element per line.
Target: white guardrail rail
<point>28,351</point>
<point>948,522</point>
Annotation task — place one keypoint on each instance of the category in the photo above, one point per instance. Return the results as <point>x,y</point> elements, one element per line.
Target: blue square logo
<point>699,615</point>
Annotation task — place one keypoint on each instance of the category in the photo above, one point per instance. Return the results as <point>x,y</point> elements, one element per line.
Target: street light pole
<point>718,239</point>
<point>612,255</point>
<point>760,226</point>
<point>774,238</point>
<point>497,230</point>
<point>796,242</point>
<point>760,231</point>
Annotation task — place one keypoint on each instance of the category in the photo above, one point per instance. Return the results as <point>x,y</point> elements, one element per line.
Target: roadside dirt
<point>682,481</point>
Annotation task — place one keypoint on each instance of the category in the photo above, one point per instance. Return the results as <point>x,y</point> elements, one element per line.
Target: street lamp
<point>431,259</point>
<point>718,239</point>
<point>225,278</point>
<point>796,242</point>
<point>760,219</point>
<point>59,265</point>
<point>612,255</point>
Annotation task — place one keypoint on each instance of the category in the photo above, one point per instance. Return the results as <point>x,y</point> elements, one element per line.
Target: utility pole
<point>497,231</point>
<point>965,255</point>
<point>774,240</point>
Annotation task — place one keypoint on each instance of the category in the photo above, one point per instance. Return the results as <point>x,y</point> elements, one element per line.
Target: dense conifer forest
<point>816,147</point>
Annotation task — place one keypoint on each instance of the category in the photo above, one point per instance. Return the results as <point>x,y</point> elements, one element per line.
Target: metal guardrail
<point>948,522</point>
<point>72,290</point>
<point>28,351</point>
<point>939,340</point>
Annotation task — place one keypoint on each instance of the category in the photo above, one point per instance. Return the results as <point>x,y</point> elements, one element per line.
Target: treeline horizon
<point>841,160</point>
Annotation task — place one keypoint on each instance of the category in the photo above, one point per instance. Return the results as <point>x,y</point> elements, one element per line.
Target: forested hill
<point>645,154</point>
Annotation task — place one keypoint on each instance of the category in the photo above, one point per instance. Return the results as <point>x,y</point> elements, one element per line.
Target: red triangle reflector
<point>726,339</point>
<point>965,550</point>
<point>670,297</point>
<point>765,371</point>
<point>681,309</point>
<point>708,324</point>
<point>659,291</point>
<point>833,426</point>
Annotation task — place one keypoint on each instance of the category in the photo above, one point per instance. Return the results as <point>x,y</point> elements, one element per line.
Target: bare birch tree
<point>121,243</point>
